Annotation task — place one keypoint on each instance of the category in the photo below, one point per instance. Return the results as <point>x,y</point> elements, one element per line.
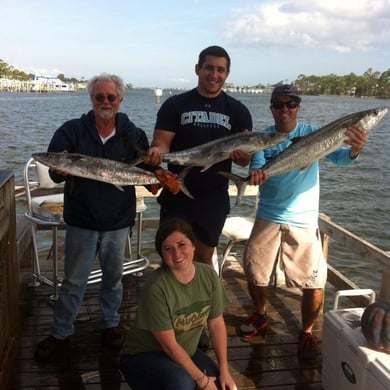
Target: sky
<point>157,43</point>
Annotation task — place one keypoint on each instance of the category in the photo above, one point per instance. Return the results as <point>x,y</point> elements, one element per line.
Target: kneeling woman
<point>180,298</point>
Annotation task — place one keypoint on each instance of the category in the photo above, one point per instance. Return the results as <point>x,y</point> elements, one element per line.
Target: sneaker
<point>204,341</point>
<point>308,348</point>
<point>112,338</point>
<point>50,348</point>
<point>253,325</point>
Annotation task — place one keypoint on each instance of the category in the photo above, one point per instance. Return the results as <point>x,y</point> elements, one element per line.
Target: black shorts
<point>206,213</point>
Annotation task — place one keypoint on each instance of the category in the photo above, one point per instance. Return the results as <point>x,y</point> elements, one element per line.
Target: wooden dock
<point>263,362</point>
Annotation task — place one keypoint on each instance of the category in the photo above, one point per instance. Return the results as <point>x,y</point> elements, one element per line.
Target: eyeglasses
<point>279,105</point>
<point>100,97</point>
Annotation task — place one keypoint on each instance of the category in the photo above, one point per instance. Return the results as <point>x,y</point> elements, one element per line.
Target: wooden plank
<point>249,191</point>
<point>9,279</point>
<point>385,289</point>
<point>267,361</point>
<point>260,362</point>
<point>356,244</point>
<point>340,282</point>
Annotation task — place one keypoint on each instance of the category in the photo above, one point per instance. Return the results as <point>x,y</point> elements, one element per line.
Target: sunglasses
<point>100,97</point>
<point>279,105</point>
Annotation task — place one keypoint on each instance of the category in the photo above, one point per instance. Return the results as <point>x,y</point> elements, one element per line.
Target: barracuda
<point>314,146</point>
<point>107,171</point>
<point>210,153</point>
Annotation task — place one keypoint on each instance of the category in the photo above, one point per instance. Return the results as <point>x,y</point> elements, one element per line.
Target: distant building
<point>51,84</point>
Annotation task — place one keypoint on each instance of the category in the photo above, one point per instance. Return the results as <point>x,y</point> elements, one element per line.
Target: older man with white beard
<point>98,216</point>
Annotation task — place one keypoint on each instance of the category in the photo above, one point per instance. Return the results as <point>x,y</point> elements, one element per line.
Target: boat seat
<point>237,230</point>
<point>48,207</point>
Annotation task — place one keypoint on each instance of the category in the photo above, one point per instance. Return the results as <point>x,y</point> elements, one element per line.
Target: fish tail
<point>173,184</point>
<point>205,168</point>
<point>240,182</point>
<point>183,173</point>
<point>141,153</point>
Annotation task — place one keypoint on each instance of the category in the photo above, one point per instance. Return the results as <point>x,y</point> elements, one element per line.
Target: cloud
<point>181,81</point>
<point>338,26</point>
<point>39,71</point>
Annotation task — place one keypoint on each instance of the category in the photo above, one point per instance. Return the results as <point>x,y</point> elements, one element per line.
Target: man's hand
<point>58,172</point>
<point>357,138</point>
<point>240,158</point>
<point>257,177</point>
<point>153,156</point>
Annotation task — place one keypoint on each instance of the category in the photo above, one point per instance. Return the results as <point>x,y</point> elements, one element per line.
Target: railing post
<point>325,238</point>
<point>9,280</point>
<point>325,250</point>
<point>385,287</point>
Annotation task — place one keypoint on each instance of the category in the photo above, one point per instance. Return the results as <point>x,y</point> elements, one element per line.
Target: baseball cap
<point>286,90</point>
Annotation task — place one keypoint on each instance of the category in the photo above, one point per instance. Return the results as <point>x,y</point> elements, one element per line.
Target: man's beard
<point>105,112</point>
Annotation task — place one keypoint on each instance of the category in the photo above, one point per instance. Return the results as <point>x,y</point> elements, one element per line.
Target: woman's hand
<point>207,383</point>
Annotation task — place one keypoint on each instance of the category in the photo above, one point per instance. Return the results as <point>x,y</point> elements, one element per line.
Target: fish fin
<point>303,169</point>
<point>183,187</point>
<point>141,153</point>
<point>172,183</point>
<point>219,154</point>
<point>206,167</point>
<point>73,156</point>
<point>240,182</point>
<point>136,161</point>
<point>295,139</point>
<point>184,190</point>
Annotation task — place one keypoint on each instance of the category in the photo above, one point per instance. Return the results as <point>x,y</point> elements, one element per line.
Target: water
<point>355,197</point>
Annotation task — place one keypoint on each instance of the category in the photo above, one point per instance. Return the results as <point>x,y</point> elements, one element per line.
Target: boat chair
<point>133,264</point>
<point>41,216</point>
<point>237,230</point>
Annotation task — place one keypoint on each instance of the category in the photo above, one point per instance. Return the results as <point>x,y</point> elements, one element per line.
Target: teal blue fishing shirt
<point>293,198</point>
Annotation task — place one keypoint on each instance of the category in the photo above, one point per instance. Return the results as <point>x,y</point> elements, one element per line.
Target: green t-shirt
<point>165,304</point>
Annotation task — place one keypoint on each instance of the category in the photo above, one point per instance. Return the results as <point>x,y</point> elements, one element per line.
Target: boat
<point>158,92</point>
<point>266,363</point>
<point>50,84</point>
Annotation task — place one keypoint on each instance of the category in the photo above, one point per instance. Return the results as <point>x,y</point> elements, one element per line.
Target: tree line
<point>370,84</point>
<point>10,72</point>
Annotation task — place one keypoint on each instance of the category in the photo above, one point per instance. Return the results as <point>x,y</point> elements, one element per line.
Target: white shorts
<point>298,249</point>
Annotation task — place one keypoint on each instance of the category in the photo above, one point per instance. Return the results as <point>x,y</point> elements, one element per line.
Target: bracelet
<point>353,156</point>
<point>199,379</point>
<point>207,383</point>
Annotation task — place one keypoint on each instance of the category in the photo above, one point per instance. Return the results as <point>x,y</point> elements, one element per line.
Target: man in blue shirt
<point>286,225</point>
